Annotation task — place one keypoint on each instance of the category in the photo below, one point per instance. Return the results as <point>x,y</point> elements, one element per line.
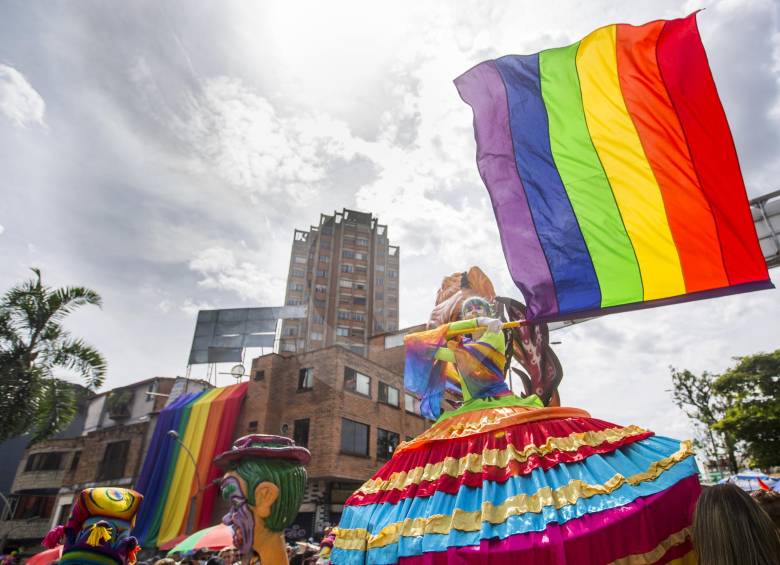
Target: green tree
<point>33,342</point>
<point>751,391</point>
<point>697,397</point>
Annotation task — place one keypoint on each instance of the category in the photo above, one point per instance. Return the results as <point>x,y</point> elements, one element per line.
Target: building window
<point>319,303</point>
<point>326,230</point>
<point>319,273</point>
<point>74,463</point>
<point>294,302</point>
<point>291,331</point>
<point>301,432</point>
<point>380,267</point>
<point>150,388</point>
<point>345,283</point>
<point>361,269</point>
<point>354,437</point>
<point>347,254</point>
<point>360,300</point>
<point>358,316</point>
<point>300,260</point>
<point>318,319</point>
<point>324,244</point>
<point>252,426</point>
<point>360,256</point>
<point>324,258</point>
<point>342,331</point>
<point>298,273</point>
<point>315,336</point>
<point>347,268</point>
<point>296,286</point>
<point>356,332</point>
<point>29,507</point>
<point>343,315</point>
<point>320,288</point>
<point>361,242</point>
<point>259,375</point>
<point>386,442</point>
<point>357,382</point>
<point>411,403</point>
<point>114,460</point>
<point>360,286</point>
<point>380,295</point>
<point>288,346</point>
<point>392,274</point>
<point>380,281</point>
<point>51,461</point>
<point>388,394</point>
<point>306,378</point>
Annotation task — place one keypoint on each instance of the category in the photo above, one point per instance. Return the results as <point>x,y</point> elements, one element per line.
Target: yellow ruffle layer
<point>658,551</point>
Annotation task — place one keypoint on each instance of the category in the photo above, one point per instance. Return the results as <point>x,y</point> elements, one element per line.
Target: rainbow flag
<point>613,174</point>
<point>205,422</point>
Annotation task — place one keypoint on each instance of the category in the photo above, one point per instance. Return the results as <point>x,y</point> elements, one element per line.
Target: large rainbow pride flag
<point>205,422</point>
<point>613,174</point>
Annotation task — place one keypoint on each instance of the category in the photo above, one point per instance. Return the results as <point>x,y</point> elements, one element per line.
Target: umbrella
<point>45,557</point>
<point>749,480</point>
<point>215,537</point>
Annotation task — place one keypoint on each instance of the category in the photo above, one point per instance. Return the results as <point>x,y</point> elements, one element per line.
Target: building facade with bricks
<point>347,274</point>
<point>108,450</point>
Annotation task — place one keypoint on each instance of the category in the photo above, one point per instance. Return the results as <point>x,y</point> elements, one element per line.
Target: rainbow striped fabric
<point>548,485</point>
<point>613,174</point>
<point>205,422</point>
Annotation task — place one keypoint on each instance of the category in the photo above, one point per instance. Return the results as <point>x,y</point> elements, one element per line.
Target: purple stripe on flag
<point>481,88</point>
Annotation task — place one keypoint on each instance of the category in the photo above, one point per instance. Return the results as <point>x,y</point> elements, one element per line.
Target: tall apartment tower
<point>346,272</point>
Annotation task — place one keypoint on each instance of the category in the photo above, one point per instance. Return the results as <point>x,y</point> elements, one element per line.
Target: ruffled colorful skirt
<point>525,485</point>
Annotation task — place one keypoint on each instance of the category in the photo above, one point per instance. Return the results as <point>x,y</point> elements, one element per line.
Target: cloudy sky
<point>163,152</point>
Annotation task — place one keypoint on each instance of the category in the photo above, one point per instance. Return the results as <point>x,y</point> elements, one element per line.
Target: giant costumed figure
<point>264,484</point>
<point>504,479</point>
<point>98,529</point>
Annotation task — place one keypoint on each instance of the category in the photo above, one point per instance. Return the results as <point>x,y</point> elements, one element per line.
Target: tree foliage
<point>751,391</point>
<point>737,411</point>
<point>33,343</point>
<point>695,395</point>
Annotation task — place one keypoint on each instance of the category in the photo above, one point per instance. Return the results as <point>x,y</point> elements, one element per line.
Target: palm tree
<point>33,342</point>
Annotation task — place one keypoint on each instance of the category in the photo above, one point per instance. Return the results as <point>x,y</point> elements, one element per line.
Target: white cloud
<point>19,101</point>
<point>220,270</point>
<point>240,136</point>
<point>2,229</point>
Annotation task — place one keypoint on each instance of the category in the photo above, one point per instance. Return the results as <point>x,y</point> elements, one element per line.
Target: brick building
<point>107,450</point>
<point>347,274</point>
<point>349,410</point>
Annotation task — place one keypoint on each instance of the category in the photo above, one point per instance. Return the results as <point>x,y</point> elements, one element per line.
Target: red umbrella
<point>45,557</point>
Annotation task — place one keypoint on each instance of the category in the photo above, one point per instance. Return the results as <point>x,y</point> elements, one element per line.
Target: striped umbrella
<point>215,537</point>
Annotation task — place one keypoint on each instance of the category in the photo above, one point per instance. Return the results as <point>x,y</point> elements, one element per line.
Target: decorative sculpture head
<point>98,530</point>
<point>456,290</point>
<point>264,483</point>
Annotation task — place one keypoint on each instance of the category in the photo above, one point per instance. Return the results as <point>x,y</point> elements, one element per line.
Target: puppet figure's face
<point>240,516</point>
<point>476,307</point>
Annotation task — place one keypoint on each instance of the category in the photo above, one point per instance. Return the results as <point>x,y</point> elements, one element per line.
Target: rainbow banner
<point>613,174</point>
<point>205,422</point>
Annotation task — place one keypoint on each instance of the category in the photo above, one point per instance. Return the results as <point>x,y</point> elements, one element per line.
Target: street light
<point>194,499</point>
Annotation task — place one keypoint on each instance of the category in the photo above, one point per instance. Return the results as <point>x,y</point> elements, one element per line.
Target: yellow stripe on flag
<point>618,145</point>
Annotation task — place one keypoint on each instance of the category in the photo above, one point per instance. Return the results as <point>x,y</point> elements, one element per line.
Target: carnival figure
<point>98,529</point>
<point>504,479</point>
<point>264,484</point>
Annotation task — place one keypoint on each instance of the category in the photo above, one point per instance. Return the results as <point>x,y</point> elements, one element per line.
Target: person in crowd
<point>730,528</point>
<point>769,500</point>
